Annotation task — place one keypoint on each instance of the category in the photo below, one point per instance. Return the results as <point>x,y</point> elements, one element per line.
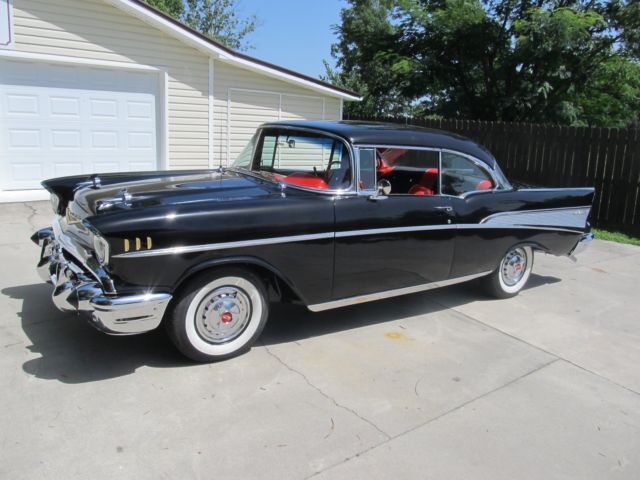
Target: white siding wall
<point>94,30</point>
<point>244,100</point>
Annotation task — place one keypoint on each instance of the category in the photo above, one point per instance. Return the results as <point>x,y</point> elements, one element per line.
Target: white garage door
<point>248,109</point>
<point>58,120</point>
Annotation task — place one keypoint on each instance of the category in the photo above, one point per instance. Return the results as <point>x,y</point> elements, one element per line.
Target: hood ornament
<point>123,199</point>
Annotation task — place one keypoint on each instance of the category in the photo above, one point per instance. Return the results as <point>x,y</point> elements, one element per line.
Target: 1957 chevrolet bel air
<point>325,214</point>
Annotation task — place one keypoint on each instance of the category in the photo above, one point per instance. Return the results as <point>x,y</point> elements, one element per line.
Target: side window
<point>367,169</point>
<point>409,171</point>
<point>461,175</point>
<point>246,156</point>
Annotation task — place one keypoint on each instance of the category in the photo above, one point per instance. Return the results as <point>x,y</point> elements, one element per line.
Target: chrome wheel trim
<point>245,336</point>
<point>223,314</point>
<point>522,276</point>
<point>514,266</point>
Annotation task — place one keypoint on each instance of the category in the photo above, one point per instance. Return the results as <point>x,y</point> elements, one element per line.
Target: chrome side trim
<point>319,236</point>
<point>319,307</point>
<point>570,217</point>
<point>376,231</point>
<point>476,226</point>
<point>225,245</point>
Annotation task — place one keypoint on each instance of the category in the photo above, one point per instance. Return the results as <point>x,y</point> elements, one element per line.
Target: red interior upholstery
<point>306,180</point>
<point>420,190</point>
<point>484,185</point>
<point>383,167</point>
<point>427,185</point>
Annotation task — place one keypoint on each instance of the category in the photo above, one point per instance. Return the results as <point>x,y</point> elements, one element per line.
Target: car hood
<point>167,190</point>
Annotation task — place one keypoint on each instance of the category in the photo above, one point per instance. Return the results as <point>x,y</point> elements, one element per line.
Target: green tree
<point>217,19</point>
<point>175,8</point>
<point>560,61</point>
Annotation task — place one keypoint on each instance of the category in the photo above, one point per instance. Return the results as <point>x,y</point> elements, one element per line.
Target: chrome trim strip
<point>568,217</point>
<point>374,231</point>
<point>586,189</point>
<point>476,226</point>
<point>319,307</point>
<point>319,236</point>
<point>516,212</point>
<point>226,245</point>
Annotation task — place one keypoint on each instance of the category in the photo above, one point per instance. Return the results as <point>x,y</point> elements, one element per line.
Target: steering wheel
<point>328,171</point>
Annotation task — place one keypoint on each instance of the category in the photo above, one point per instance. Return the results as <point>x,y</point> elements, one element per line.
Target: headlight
<point>55,202</point>
<point>101,248</point>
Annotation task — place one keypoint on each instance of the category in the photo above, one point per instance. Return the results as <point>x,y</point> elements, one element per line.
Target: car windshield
<point>299,158</point>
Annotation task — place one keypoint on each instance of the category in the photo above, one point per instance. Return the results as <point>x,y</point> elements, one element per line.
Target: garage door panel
<point>60,119</point>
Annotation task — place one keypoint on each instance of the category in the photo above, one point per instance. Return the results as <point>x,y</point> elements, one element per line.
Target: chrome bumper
<point>582,244</point>
<point>74,290</point>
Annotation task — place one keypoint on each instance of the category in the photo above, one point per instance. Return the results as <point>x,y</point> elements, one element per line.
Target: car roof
<point>378,133</point>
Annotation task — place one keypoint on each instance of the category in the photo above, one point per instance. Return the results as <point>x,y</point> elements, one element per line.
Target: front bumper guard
<point>75,291</point>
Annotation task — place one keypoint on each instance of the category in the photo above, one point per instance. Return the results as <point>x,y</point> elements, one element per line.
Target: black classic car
<point>325,214</point>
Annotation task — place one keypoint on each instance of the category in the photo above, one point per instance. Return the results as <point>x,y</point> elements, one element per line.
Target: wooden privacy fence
<point>558,156</point>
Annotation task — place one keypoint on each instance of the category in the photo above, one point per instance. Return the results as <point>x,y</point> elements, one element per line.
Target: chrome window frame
<point>350,190</point>
<point>499,186</point>
<point>482,165</point>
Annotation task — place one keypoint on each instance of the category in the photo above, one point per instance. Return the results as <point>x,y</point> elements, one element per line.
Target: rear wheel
<point>220,314</point>
<point>512,273</point>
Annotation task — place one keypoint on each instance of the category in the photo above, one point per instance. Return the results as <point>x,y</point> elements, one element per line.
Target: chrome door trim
<point>343,302</point>
<point>225,245</point>
<point>376,231</point>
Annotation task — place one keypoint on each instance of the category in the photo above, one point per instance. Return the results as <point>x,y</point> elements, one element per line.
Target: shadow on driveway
<point>74,352</point>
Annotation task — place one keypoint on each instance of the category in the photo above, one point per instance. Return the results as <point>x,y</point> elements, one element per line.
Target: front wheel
<point>512,273</point>
<point>220,314</point>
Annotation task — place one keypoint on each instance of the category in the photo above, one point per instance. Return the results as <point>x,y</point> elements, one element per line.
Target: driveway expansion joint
<point>326,395</point>
<point>558,357</point>
<point>437,417</point>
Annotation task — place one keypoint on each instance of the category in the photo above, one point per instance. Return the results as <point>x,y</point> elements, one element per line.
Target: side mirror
<point>384,189</point>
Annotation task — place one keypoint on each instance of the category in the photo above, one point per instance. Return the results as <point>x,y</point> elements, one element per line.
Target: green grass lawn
<point>615,236</point>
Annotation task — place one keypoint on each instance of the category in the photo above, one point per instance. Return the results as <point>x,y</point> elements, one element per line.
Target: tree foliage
<point>560,61</point>
<point>217,19</point>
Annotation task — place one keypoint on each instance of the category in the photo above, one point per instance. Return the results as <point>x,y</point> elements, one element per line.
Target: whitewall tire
<point>512,274</point>
<point>219,314</point>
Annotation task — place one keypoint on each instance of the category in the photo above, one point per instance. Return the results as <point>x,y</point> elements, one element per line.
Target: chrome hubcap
<point>513,266</point>
<point>223,314</point>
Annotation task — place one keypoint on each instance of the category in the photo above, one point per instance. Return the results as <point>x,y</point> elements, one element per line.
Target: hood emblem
<point>123,198</point>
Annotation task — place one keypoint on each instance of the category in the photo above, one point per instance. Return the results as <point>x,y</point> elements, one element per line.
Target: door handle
<point>446,209</point>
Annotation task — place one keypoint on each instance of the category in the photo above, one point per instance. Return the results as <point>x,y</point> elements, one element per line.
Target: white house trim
<point>211,102</point>
<point>41,57</point>
<point>164,130</point>
<point>10,41</point>
<point>272,72</point>
<point>209,48</point>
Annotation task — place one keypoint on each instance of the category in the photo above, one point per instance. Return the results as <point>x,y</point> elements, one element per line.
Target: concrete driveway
<point>441,385</point>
